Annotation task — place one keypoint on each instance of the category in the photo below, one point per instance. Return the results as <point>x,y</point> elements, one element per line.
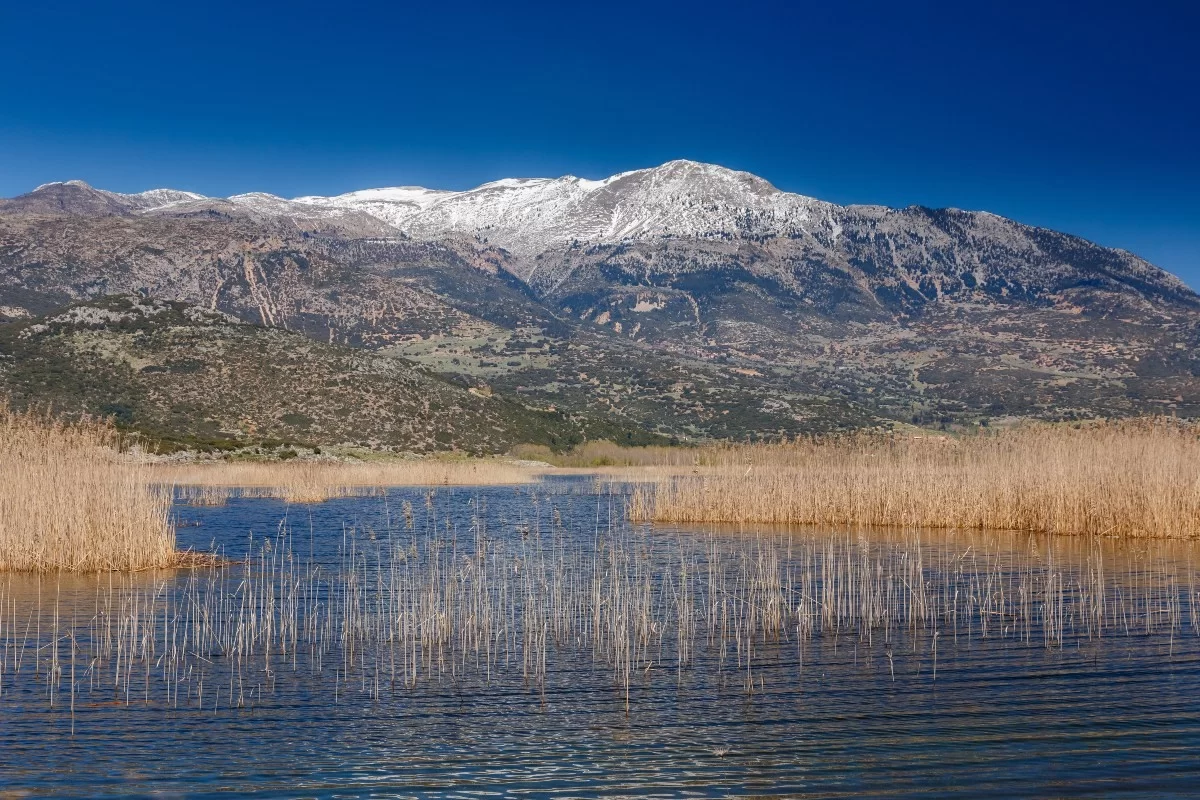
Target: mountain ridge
<point>530,216</point>
<point>687,299</point>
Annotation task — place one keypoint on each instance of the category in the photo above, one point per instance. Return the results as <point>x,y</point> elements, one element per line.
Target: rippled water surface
<point>1063,667</point>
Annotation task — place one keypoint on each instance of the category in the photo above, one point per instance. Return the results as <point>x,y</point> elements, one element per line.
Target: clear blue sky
<point>1083,119</point>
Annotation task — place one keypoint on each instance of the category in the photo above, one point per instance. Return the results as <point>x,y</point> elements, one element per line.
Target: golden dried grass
<point>603,454</point>
<point>69,501</point>
<point>316,481</point>
<point>1137,478</point>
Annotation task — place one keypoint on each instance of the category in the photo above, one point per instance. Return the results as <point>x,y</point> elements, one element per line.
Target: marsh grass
<point>203,495</point>
<point>1128,479</point>
<point>70,501</point>
<point>316,481</point>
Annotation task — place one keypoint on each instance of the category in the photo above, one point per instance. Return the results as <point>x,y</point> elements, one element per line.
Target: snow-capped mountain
<point>680,217</point>
<point>653,282</point>
<point>530,215</point>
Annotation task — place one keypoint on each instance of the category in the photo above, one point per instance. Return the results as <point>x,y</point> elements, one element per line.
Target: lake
<point>528,641</point>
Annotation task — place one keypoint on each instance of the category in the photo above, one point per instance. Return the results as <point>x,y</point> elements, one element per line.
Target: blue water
<point>1005,717</point>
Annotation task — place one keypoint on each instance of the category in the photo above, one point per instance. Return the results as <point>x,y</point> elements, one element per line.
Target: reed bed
<point>604,453</point>
<point>1128,479</point>
<point>421,604</point>
<point>317,481</point>
<point>70,501</point>
<point>203,495</point>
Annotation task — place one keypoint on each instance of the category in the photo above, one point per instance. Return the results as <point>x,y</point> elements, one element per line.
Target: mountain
<point>688,299</point>
<point>899,257</point>
<point>896,258</point>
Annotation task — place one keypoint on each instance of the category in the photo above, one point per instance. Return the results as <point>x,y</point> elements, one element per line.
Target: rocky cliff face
<point>688,298</point>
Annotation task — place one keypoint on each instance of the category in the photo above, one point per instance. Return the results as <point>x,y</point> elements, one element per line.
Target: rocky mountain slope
<point>687,299</point>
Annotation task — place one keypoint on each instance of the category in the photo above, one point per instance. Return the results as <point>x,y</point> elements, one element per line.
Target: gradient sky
<point>1082,118</point>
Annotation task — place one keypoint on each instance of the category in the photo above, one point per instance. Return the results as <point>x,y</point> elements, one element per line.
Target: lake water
<point>528,641</point>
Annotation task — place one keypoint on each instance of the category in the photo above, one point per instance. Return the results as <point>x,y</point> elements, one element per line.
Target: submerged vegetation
<point>69,501</point>
<point>1137,478</point>
<point>423,603</point>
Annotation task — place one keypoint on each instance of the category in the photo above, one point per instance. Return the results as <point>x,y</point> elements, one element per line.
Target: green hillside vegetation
<point>187,377</point>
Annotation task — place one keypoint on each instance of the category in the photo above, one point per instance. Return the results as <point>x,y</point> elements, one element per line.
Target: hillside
<point>188,376</point>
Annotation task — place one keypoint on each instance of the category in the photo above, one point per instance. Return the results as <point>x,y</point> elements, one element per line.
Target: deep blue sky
<point>1079,118</point>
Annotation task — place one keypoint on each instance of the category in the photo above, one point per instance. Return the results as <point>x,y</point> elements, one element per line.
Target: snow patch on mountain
<point>270,205</point>
<point>154,199</point>
<point>393,205</point>
<point>531,215</point>
<point>76,183</point>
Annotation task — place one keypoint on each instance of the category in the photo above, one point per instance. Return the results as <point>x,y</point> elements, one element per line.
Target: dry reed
<point>1136,479</point>
<point>69,501</point>
<point>603,453</point>
<point>316,481</point>
<point>203,495</point>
